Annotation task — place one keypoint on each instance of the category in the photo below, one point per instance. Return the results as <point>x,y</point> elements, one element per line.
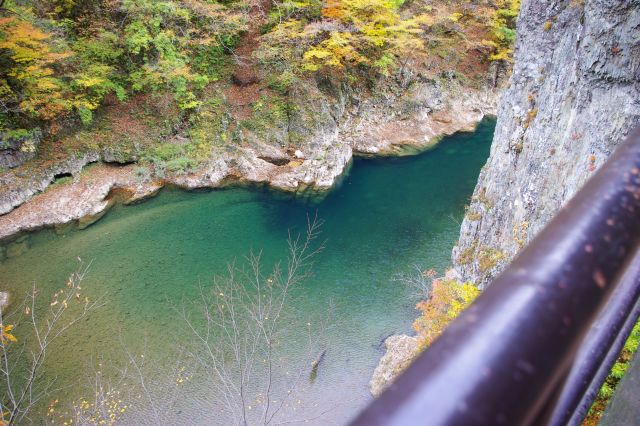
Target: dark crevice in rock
<point>278,161</point>
<point>120,163</point>
<point>59,176</point>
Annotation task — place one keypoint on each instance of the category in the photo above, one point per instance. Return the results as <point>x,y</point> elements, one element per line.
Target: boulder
<point>401,351</point>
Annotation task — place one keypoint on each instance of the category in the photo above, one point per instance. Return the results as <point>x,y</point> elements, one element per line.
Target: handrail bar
<point>600,349</point>
<point>505,359</point>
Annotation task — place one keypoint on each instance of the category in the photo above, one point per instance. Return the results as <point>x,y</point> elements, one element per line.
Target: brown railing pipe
<point>600,349</point>
<point>504,360</point>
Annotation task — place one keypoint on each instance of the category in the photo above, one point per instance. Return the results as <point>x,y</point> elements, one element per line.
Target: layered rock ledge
<point>29,201</point>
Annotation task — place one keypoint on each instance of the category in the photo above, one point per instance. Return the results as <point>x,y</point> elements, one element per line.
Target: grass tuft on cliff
<point>613,379</point>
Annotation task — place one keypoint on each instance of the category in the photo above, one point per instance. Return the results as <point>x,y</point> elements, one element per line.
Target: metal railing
<point>536,346</point>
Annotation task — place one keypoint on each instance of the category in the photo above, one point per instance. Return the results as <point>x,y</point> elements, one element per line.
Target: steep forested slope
<point>199,93</point>
<point>112,67</point>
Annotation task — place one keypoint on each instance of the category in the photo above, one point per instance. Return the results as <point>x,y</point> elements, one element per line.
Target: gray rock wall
<point>572,98</point>
<point>15,151</point>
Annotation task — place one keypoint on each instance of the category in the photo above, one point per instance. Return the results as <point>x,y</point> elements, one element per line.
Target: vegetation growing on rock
<point>447,300</point>
<point>69,67</point>
<point>613,379</point>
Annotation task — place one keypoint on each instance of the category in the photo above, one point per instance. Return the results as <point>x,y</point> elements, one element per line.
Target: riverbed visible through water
<point>149,262</point>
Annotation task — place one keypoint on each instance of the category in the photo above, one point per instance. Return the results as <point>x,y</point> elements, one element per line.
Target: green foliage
<point>86,116</point>
<point>503,30</point>
<point>342,36</point>
<point>167,151</point>
<point>180,164</point>
<point>283,81</point>
<point>61,60</point>
<point>65,56</point>
<point>210,60</point>
<point>175,158</point>
<point>152,36</point>
<point>617,373</point>
<point>303,11</point>
<point>209,126</point>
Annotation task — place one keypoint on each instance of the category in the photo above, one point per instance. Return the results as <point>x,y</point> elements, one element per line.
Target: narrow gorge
<point>228,212</point>
<point>573,96</point>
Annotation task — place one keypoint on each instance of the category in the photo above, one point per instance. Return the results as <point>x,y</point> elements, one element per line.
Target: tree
<point>503,31</point>
<point>62,58</point>
<point>27,81</point>
<point>371,33</point>
<point>26,335</point>
<point>447,299</point>
<point>238,337</point>
<point>346,35</point>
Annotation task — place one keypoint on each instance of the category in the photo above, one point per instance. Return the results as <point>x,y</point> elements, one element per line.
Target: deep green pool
<point>386,216</point>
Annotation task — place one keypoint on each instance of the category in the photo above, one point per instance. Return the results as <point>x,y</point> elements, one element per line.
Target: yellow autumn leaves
<point>447,300</point>
<point>338,36</point>
<point>42,93</point>
<point>370,33</point>
<point>5,334</point>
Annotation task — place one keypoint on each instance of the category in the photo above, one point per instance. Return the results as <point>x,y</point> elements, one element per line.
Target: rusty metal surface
<point>504,360</point>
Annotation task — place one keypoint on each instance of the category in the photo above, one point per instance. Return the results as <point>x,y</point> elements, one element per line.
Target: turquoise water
<point>386,216</point>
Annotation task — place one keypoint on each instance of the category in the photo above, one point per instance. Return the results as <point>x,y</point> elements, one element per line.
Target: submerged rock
<point>401,351</point>
<point>18,247</point>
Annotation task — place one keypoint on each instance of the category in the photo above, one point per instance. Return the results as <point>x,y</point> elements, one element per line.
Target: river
<point>149,261</point>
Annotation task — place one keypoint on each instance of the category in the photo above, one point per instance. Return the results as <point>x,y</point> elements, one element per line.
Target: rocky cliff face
<point>17,150</point>
<point>573,96</point>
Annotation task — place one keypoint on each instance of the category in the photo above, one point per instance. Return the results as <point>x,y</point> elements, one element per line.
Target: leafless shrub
<point>22,356</point>
<point>240,333</point>
<point>419,281</point>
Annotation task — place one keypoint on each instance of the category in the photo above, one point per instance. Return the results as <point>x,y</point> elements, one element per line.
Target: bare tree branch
<point>25,385</point>
<point>240,328</point>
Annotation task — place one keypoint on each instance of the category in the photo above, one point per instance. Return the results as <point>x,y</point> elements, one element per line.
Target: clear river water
<point>149,260</point>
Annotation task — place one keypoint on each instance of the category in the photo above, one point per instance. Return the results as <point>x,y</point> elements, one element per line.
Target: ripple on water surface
<point>386,216</point>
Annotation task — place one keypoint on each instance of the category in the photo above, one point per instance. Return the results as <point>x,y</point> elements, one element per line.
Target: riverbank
<point>82,189</point>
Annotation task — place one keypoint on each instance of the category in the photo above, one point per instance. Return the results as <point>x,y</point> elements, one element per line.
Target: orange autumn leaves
<point>448,298</point>
<point>333,9</point>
